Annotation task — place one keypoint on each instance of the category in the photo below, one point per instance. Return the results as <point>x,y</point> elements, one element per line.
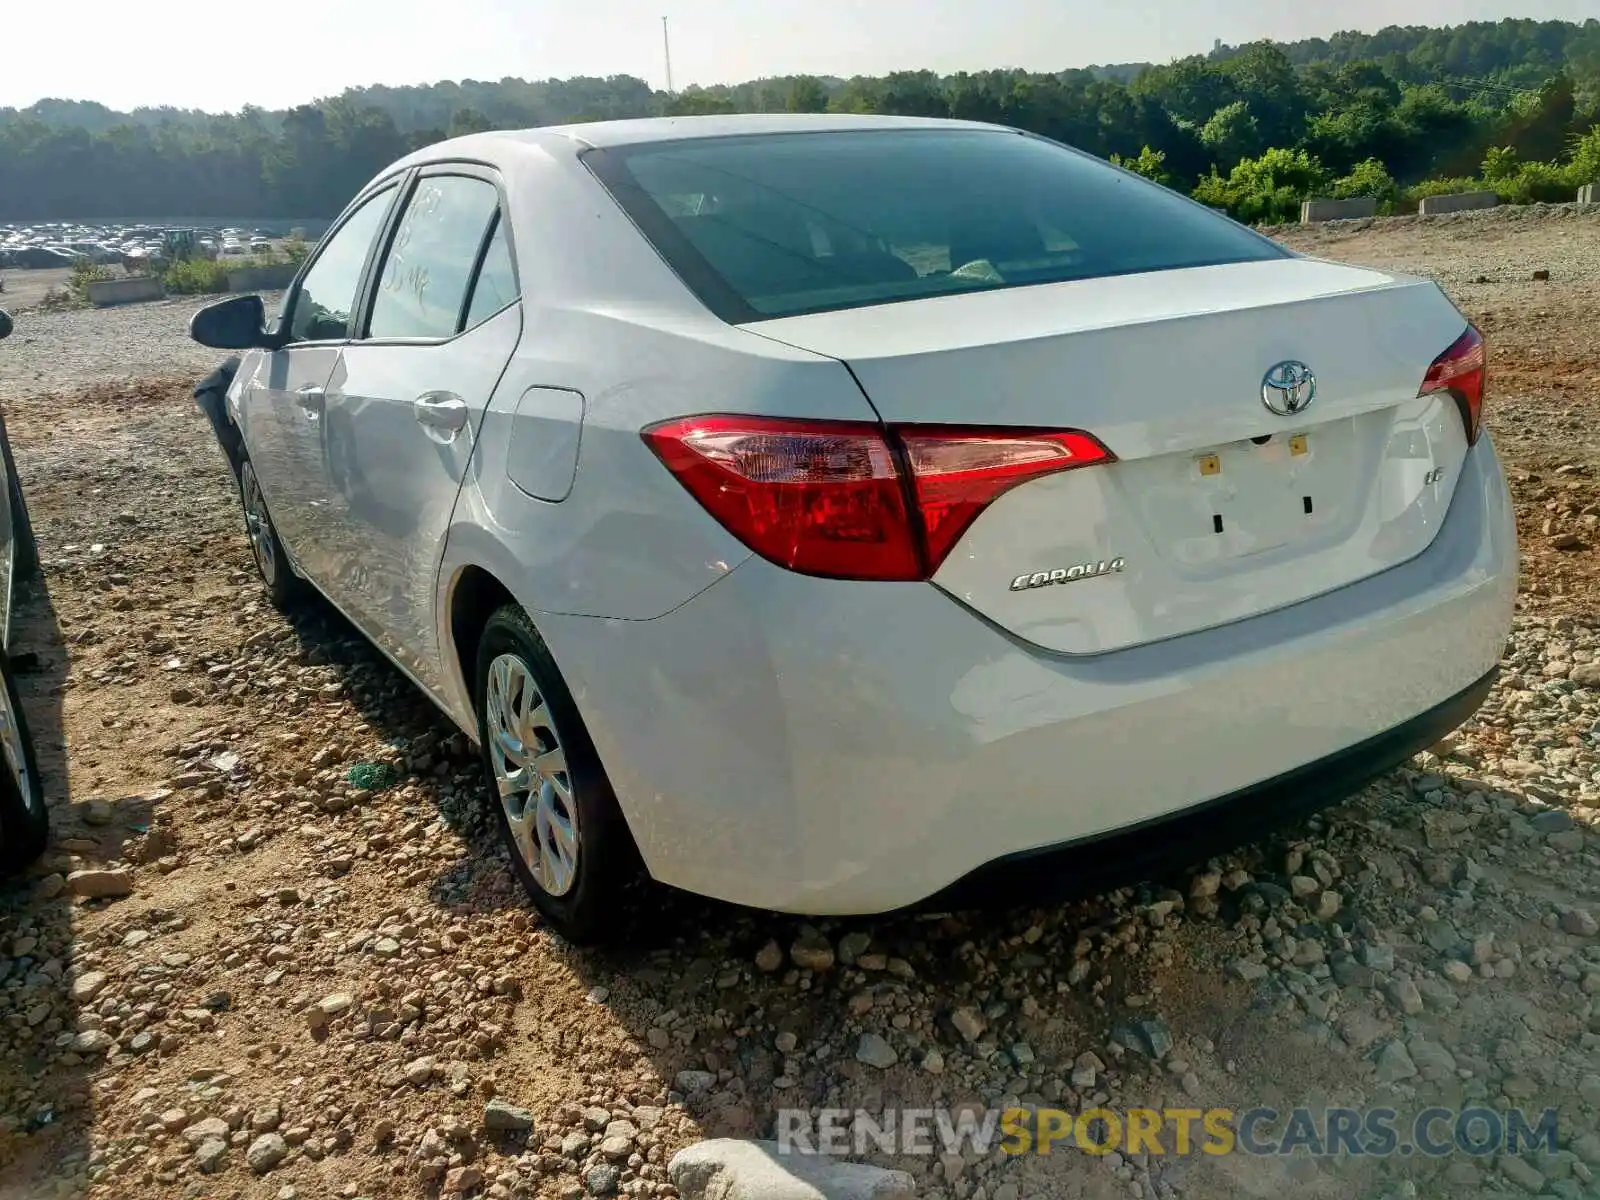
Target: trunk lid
<point>1218,508</point>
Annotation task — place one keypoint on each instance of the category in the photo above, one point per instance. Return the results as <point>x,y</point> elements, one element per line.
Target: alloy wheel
<point>531,777</point>
<point>259,526</point>
<point>14,755</point>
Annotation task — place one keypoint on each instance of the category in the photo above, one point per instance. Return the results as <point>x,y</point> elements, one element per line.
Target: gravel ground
<point>76,348</point>
<point>275,984</point>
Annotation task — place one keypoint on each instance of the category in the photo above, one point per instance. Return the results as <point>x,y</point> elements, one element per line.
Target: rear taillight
<point>1460,371</point>
<point>850,499</point>
<point>956,474</point>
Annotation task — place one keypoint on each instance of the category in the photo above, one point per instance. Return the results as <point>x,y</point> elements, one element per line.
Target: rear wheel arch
<point>487,623</point>
<point>475,597</point>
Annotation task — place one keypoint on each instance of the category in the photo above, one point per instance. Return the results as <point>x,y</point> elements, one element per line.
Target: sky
<point>190,54</point>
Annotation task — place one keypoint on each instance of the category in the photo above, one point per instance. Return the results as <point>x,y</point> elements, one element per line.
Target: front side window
<point>321,309</point>
<point>770,225</point>
<point>422,287</point>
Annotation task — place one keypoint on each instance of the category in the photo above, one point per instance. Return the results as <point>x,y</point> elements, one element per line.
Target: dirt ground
<point>25,289</point>
<point>289,985</point>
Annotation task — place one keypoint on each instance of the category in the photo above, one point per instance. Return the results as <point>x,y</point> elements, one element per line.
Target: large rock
<point>210,1129</point>
<point>208,1155</point>
<point>876,1052</point>
<point>461,1179</point>
<point>1394,1064</point>
<point>88,985</point>
<point>730,1169</point>
<point>100,884</point>
<point>969,1023</point>
<point>266,1152</point>
<point>692,1082</point>
<point>503,1117</point>
<point>812,951</point>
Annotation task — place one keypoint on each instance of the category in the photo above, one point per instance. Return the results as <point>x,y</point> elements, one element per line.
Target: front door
<point>402,420</point>
<point>281,406</point>
<point>283,403</point>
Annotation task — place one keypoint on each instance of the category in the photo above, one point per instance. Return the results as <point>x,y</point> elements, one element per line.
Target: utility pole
<point>666,46</point>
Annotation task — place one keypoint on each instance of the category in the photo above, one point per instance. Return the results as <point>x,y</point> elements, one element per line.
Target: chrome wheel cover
<point>16,761</point>
<point>530,775</point>
<point>258,525</point>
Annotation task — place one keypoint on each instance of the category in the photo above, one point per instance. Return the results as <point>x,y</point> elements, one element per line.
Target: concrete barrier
<point>261,279</point>
<point>1460,202</point>
<point>1314,211</point>
<point>106,292</point>
<point>1587,194</point>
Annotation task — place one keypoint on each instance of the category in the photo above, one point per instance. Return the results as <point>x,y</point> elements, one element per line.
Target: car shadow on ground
<point>44,1117</point>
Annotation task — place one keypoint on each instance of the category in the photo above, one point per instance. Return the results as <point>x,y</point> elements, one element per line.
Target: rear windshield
<point>770,225</point>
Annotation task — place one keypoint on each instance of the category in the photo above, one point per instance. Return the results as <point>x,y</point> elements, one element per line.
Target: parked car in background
<point>24,822</point>
<point>36,257</point>
<point>827,513</point>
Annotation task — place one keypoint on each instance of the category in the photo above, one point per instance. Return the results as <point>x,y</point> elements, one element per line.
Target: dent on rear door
<point>394,480</point>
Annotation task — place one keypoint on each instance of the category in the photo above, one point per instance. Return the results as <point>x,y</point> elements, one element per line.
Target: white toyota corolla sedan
<point>829,513</point>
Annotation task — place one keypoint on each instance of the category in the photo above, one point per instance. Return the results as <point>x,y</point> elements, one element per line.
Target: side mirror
<point>237,323</point>
<point>5,325</point>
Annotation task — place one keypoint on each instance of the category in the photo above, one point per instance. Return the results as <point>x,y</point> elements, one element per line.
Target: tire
<point>24,820</point>
<point>284,587</point>
<point>569,844</point>
<point>25,553</point>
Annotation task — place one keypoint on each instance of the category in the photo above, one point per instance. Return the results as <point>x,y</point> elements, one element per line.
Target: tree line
<point>1513,105</point>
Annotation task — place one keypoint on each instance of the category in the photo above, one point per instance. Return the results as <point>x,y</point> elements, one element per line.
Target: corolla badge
<point>1288,388</point>
<point>1088,570</point>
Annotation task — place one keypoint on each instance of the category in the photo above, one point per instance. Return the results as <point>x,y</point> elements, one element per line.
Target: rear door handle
<point>312,399</point>
<point>442,414</point>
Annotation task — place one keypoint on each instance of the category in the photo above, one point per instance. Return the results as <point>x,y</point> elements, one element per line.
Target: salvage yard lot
<point>290,986</point>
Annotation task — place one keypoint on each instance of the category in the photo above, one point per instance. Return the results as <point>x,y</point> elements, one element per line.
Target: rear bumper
<point>828,747</point>
<point>1142,851</point>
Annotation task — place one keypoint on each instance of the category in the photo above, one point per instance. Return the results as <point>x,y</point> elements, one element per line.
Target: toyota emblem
<point>1288,388</point>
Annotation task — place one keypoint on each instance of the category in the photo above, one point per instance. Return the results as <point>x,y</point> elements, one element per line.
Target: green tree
<point>1191,89</point>
<point>1427,103</point>
<point>1231,134</point>
<point>806,95</point>
<point>697,101</point>
<point>912,94</point>
<point>469,120</point>
<point>1368,178</point>
<point>1268,188</point>
<point>1541,120</point>
<point>858,95</point>
<point>1263,76</point>
<point>1585,157</point>
<point>1149,163</point>
<point>1500,163</point>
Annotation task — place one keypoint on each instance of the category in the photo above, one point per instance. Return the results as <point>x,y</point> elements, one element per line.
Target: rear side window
<point>771,225</point>
<point>428,269</point>
<point>496,285</point>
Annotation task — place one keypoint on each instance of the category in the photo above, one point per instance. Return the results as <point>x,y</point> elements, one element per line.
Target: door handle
<point>444,412</point>
<point>312,399</point>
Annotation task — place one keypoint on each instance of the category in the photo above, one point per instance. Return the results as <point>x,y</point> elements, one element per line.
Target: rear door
<point>441,326</point>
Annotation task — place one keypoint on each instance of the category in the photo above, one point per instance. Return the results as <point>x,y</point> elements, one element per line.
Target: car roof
<point>493,145</point>
<point>671,129</point>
